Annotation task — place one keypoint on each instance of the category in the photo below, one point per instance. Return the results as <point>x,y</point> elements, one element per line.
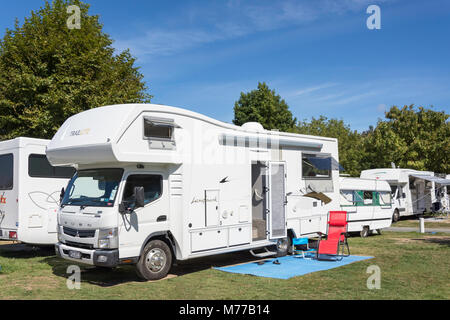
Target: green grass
<point>413,222</point>
<point>413,266</point>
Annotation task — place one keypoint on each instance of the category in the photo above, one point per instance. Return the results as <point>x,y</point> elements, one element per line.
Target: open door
<point>276,200</point>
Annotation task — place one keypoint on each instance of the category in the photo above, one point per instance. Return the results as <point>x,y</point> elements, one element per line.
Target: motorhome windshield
<point>93,188</point>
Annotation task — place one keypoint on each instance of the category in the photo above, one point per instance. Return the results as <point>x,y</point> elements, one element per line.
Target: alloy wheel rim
<point>155,260</point>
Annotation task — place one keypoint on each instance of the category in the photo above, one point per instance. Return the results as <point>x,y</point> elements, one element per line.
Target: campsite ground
<point>413,266</point>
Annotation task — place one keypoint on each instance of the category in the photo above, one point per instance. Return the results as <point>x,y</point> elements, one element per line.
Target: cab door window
<point>152,188</point>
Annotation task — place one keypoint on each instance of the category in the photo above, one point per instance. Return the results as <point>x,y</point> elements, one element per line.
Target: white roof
<point>363,184</point>
<point>100,133</point>
<point>21,142</point>
<point>392,175</point>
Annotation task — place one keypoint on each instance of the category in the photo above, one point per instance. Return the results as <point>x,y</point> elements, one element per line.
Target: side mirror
<point>122,208</point>
<point>61,195</point>
<point>139,197</point>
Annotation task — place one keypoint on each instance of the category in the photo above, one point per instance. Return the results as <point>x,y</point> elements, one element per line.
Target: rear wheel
<point>155,261</point>
<point>283,246</point>
<point>395,216</point>
<point>364,232</point>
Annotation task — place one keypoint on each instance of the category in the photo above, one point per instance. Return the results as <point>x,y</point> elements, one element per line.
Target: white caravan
<point>413,192</point>
<point>29,192</point>
<point>156,184</point>
<point>368,203</point>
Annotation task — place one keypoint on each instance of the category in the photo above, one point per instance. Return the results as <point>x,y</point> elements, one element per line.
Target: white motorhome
<point>368,203</point>
<point>156,184</point>
<point>413,192</point>
<point>29,192</point>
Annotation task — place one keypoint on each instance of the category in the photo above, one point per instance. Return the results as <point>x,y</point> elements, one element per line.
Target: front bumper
<point>94,257</point>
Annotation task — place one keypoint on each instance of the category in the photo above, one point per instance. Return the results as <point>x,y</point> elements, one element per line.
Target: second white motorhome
<point>29,192</point>
<point>413,192</point>
<point>156,184</point>
<point>368,203</point>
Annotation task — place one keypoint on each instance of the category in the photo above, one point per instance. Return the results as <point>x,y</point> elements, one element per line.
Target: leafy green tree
<point>264,106</point>
<point>350,143</point>
<point>411,138</point>
<point>49,72</point>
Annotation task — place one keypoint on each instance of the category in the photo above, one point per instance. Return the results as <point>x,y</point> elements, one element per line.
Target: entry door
<point>276,199</point>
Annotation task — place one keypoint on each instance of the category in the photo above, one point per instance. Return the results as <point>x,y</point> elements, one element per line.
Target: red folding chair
<point>336,238</point>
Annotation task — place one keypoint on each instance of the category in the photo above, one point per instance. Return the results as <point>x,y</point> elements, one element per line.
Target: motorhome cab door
<point>276,200</point>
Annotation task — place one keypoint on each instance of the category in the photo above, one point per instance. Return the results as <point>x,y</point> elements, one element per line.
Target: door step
<point>264,254</point>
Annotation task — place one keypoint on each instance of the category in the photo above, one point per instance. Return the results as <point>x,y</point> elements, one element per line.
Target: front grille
<point>79,233</point>
<point>80,245</point>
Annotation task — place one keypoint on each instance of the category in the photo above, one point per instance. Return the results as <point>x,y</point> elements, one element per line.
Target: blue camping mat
<point>290,266</point>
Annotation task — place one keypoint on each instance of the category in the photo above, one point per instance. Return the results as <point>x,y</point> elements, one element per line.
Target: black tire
<point>282,246</point>
<point>364,232</point>
<point>395,216</point>
<point>155,261</point>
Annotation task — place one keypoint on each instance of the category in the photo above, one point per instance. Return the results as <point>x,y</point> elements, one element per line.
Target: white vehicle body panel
<point>206,202</point>
<point>30,207</point>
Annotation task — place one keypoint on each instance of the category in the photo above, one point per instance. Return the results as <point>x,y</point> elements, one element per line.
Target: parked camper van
<point>156,184</point>
<point>413,192</point>
<point>29,192</point>
<point>368,203</point>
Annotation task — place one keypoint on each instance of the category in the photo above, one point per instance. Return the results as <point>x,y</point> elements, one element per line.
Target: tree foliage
<point>415,139</point>
<point>264,106</point>
<point>350,142</point>
<point>49,72</point>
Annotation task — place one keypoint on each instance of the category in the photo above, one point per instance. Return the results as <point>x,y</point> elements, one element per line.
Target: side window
<point>152,187</point>
<point>316,166</point>
<point>385,198</point>
<point>358,198</point>
<point>159,129</point>
<point>368,197</point>
<point>6,171</point>
<point>39,167</point>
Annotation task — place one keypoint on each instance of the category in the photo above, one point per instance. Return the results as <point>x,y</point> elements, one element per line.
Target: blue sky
<point>318,55</point>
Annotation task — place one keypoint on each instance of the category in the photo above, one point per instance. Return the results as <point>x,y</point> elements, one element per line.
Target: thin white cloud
<point>226,21</point>
<point>313,89</point>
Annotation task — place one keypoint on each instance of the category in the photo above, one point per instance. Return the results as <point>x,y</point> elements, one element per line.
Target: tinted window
<point>6,171</point>
<point>152,187</point>
<point>39,167</point>
<point>157,130</point>
<point>316,166</point>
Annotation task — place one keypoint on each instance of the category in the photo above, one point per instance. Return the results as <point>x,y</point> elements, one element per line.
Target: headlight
<point>60,235</point>
<point>108,238</point>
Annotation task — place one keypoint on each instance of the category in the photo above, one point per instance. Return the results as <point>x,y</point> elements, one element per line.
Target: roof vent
<point>252,127</point>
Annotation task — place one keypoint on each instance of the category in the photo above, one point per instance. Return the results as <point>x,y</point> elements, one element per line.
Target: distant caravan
<point>29,192</point>
<point>157,184</point>
<point>368,203</point>
<point>413,192</point>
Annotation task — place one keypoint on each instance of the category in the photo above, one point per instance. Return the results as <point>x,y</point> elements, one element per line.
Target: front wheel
<point>395,216</point>
<point>155,261</point>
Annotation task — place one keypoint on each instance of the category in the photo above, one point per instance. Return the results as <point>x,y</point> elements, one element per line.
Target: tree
<point>49,72</point>
<point>350,143</point>
<point>416,139</point>
<point>264,106</point>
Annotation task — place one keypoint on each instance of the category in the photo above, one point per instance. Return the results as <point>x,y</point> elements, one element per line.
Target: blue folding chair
<point>302,242</point>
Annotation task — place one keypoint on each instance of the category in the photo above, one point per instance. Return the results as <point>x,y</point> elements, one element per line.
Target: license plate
<point>75,254</point>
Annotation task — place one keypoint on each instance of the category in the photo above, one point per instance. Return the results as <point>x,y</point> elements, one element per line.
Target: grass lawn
<point>414,223</point>
<point>413,266</point>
